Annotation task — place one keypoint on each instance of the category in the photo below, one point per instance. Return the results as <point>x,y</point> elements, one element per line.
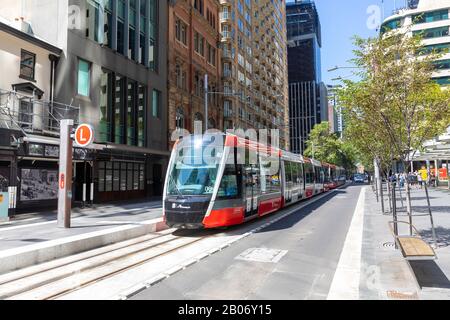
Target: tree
<point>395,106</point>
<point>327,147</point>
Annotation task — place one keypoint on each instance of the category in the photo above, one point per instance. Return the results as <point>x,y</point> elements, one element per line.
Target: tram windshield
<point>194,170</point>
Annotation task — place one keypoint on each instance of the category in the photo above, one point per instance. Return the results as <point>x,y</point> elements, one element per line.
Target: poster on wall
<point>39,184</point>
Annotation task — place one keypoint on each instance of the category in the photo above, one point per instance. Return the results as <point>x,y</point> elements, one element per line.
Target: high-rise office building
<point>108,70</point>
<point>193,52</point>
<point>254,65</point>
<point>308,101</point>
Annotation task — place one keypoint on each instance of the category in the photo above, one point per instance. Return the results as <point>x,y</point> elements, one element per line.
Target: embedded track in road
<point>60,277</point>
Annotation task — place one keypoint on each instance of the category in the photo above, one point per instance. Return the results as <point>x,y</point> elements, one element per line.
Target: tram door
<point>252,189</point>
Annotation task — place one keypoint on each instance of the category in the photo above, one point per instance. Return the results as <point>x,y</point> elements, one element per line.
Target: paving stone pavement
<point>385,274</point>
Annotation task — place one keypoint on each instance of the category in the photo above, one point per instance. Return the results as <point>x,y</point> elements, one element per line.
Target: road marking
<point>262,255</point>
<point>30,225</point>
<point>163,276</point>
<point>345,285</point>
<point>27,226</point>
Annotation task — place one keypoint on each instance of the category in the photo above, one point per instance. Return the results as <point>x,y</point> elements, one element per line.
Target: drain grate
<point>389,245</point>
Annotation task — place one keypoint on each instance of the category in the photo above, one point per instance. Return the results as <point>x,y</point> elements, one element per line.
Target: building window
<point>119,122</point>
<point>179,119</point>
<point>211,55</point>
<point>26,114</point>
<point>132,31</point>
<point>27,65</point>
<point>433,33</point>
<point>442,81</point>
<point>143,24</point>
<point>84,77</point>
<point>132,43</point>
<point>153,49</point>
<point>121,27</point>
<point>95,24</point>
<point>107,38</point>
<point>198,5</point>
<point>432,16</point>
<point>131,113</point>
<point>181,31</point>
<point>199,44</point>
<point>156,104</point>
<point>141,115</point>
<point>105,107</point>
<point>121,176</point>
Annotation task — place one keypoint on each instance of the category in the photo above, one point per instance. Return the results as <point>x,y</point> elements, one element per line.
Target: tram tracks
<point>89,271</point>
<point>60,277</point>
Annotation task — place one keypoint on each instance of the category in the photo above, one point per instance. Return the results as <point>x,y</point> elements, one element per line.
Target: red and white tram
<point>220,180</point>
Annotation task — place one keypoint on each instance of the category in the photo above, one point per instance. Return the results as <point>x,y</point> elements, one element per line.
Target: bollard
<point>433,231</point>
<point>394,213</point>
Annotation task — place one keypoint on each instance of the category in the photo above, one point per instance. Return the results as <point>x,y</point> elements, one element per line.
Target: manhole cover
<point>389,244</point>
<point>262,255</point>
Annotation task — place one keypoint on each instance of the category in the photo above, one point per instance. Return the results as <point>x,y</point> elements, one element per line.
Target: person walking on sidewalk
<point>402,180</point>
<point>420,180</point>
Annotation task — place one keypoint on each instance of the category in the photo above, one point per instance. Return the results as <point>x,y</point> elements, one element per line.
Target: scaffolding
<point>31,115</point>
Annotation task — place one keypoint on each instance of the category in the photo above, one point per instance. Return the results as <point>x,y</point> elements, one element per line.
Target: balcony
<point>226,17</point>
<point>227,54</point>
<point>227,74</point>
<point>227,36</point>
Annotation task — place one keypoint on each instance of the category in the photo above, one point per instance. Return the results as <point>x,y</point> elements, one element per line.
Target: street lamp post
<point>206,102</point>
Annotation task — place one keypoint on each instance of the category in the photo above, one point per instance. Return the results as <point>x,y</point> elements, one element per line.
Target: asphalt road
<point>296,258</point>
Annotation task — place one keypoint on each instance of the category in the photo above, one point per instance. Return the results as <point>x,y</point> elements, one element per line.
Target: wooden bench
<point>413,247</point>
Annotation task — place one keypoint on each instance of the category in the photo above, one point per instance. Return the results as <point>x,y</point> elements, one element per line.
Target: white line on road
<point>137,288</point>
<point>27,226</point>
<point>345,285</point>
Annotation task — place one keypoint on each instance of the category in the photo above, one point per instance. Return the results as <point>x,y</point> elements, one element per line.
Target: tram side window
<point>309,173</point>
<point>300,174</point>
<point>321,175</point>
<point>229,185</point>
<point>270,175</point>
<point>295,174</point>
<point>288,173</point>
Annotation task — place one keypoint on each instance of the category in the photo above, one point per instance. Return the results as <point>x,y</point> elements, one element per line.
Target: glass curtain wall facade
<point>129,27</point>
<point>431,21</point>
<point>307,98</point>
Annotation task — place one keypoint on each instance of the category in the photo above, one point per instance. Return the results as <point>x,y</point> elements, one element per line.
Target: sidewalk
<point>385,273</point>
<point>37,238</point>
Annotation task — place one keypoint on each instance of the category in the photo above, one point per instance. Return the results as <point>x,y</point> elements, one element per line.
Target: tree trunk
<point>389,195</point>
<point>408,206</point>
<point>381,195</point>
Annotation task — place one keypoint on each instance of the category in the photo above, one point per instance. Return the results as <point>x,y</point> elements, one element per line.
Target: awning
<point>101,147</point>
<point>28,87</point>
<point>437,149</point>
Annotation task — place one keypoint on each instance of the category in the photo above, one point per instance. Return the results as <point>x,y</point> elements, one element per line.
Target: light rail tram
<point>221,180</point>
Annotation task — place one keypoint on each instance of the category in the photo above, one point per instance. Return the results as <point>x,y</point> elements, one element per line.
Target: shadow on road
<point>304,212</point>
<point>442,235</point>
<point>429,275</point>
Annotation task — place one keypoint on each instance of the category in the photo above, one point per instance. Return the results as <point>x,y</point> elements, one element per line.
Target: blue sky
<point>341,20</point>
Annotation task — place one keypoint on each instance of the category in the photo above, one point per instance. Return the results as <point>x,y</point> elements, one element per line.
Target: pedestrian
<point>402,180</point>
<point>420,180</point>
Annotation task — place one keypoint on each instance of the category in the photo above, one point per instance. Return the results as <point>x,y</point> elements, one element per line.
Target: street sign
<point>84,135</point>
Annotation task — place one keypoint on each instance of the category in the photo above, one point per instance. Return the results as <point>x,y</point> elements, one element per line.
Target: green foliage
<point>327,147</point>
<point>395,107</point>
